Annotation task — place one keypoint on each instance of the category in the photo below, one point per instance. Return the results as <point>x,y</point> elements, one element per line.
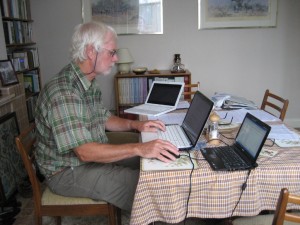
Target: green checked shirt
<point>69,113</point>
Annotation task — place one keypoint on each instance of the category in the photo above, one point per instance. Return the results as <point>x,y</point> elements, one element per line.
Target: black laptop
<point>192,125</point>
<point>241,155</point>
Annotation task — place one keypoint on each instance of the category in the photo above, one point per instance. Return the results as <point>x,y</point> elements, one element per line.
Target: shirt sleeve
<point>73,122</point>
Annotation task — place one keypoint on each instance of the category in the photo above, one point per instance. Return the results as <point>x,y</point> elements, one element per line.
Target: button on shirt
<point>69,113</point>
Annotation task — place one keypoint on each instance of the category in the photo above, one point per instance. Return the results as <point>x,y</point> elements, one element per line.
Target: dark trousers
<point>112,182</point>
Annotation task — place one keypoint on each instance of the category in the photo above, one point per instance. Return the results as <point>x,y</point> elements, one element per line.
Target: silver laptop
<point>242,155</point>
<point>186,136</point>
<point>163,97</point>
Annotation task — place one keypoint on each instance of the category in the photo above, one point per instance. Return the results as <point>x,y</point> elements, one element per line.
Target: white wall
<point>238,61</point>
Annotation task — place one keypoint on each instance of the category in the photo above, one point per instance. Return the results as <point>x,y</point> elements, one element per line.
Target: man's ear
<point>90,52</point>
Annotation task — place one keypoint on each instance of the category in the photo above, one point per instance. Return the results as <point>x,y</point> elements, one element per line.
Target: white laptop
<point>163,97</point>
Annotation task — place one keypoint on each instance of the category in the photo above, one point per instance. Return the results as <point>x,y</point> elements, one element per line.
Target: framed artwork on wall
<point>213,14</point>
<point>7,73</point>
<point>126,16</point>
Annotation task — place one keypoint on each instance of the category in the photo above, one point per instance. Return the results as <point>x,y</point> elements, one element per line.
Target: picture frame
<point>214,14</point>
<point>12,170</point>
<point>8,75</point>
<point>126,16</point>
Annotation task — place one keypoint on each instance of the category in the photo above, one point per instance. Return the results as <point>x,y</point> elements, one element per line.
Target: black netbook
<point>193,123</point>
<point>246,148</point>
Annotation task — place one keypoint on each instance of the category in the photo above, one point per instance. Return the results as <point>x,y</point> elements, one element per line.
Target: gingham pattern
<point>69,113</point>
<point>162,196</point>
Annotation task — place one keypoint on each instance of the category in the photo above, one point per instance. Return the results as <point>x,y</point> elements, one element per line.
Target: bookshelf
<point>132,89</point>
<point>21,49</point>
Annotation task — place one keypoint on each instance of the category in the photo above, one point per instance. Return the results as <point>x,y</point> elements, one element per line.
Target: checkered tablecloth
<point>162,195</point>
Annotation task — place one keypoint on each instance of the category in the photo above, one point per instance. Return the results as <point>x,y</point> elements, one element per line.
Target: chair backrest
<point>190,90</point>
<point>274,104</point>
<point>25,144</point>
<point>281,213</point>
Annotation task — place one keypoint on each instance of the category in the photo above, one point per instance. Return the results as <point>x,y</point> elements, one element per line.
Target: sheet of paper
<point>281,132</point>
<point>268,152</point>
<point>183,105</point>
<point>239,115</point>
<point>182,163</point>
<point>287,143</point>
<point>170,118</point>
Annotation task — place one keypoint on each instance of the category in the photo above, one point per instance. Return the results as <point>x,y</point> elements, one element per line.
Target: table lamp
<point>125,59</point>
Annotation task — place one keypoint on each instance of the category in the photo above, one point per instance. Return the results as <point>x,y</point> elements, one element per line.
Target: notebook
<point>163,97</point>
<point>247,146</point>
<point>193,123</point>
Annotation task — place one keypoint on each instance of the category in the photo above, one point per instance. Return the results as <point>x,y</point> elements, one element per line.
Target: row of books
<point>31,103</point>
<point>135,90</point>
<point>17,32</point>
<point>31,81</point>
<point>24,59</point>
<point>132,90</point>
<point>18,9</point>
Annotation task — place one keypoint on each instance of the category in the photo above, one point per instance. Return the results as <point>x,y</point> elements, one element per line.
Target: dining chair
<point>281,215</point>
<point>46,203</point>
<point>190,90</point>
<point>274,104</point>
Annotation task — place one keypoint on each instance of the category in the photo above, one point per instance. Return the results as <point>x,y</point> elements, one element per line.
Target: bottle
<point>213,132</point>
<point>178,67</point>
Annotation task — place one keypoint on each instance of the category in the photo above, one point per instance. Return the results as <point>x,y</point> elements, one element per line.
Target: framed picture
<point>12,171</point>
<point>126,16</point>
<point>214,14</point>
<point>7,73</point>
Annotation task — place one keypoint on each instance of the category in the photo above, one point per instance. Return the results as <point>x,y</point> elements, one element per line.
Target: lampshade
<point>125,59</point>
<point>124,56</point>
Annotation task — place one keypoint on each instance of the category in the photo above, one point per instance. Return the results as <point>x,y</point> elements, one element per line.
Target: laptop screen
<point>158,93</point>
<point>197,116</point>
<point>252,135</point>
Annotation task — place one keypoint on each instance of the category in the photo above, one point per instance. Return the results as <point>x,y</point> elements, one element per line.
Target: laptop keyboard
<point>229,157</point>
<point>175,135</point>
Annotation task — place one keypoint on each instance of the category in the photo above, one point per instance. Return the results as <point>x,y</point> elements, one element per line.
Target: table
<point>162,195</point>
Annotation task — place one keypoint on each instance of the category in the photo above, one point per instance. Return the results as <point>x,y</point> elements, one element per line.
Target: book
<point>21,57</point>
<point>31,82</point>
<point>31,103</point>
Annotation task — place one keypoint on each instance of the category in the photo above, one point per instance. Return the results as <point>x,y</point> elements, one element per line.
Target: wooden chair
<point>190,90</point>
<point>281,215</point>
<point>46,203</point>
<point>275,104</point>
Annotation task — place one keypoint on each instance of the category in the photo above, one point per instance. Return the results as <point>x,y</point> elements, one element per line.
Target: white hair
<point>91,33</point>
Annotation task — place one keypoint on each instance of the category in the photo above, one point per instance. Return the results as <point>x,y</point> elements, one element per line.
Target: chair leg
<point>111,214</point>
<point>119,216</point>
<point>38,220</point>
<point>58,220</point>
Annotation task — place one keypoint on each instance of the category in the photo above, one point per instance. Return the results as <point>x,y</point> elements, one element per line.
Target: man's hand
<point>149,126</point>
<point>158,149</point>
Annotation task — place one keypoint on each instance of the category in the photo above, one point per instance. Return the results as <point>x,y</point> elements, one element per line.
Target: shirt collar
<point>81,76</point>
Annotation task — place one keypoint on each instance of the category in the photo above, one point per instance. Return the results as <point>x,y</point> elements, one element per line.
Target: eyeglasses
<point>224,123</point>
<point>111,52</point>
<point>272,140</point>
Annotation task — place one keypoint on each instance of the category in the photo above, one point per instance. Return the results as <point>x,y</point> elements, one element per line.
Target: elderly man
<point>73,152</point>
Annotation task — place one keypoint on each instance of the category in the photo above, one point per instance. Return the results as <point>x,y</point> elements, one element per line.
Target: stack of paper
<point>228,101</point>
